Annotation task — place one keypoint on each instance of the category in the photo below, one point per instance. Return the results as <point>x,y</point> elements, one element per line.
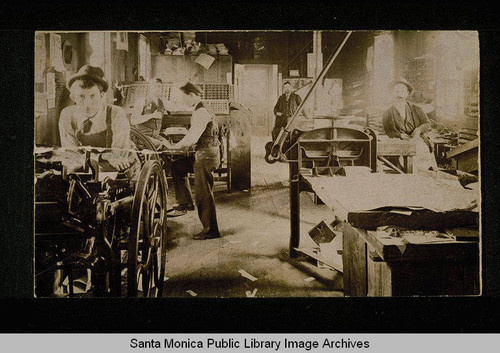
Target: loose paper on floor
<point>247,275</point>
<point>231,242</point>
<point>251,294</point>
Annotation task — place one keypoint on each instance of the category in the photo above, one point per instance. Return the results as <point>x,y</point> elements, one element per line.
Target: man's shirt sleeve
<point>121,129</point>
<point>199,122</point>
<point>66,131</point>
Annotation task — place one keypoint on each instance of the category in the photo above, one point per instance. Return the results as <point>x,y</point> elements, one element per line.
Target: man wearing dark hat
<point>203,134</point>
<point>407,121</point>
<point>92,122</point>
<point>285,107</point>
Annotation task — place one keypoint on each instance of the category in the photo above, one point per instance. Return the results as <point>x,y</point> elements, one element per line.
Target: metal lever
<point>274,148</point>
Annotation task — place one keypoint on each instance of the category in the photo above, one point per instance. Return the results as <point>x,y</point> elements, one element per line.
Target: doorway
<point>257,90</point>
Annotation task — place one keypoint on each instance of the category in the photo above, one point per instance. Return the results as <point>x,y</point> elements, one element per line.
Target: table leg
<point>294,177</point>
<point>409,164</point>
<point>294,214</point>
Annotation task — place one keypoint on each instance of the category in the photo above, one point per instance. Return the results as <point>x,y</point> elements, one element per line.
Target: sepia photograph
<point>257,164</point>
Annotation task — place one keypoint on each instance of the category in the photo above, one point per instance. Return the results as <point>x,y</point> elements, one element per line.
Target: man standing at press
<point>284,109</point>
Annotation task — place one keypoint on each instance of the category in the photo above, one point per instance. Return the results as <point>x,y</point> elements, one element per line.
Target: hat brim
<point>96,79</point>
<point>410,87</point>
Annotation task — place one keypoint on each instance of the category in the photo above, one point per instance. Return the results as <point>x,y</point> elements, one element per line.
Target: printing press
<point>102,223</point>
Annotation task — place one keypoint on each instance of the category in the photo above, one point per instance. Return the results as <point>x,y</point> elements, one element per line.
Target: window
<point>383,67</point>
<point>144,57</point>
<point>97,57</point>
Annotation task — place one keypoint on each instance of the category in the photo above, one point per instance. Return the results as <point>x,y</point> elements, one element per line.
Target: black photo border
<point>308,315</point>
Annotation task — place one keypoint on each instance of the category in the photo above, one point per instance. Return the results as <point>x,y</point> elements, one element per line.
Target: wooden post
<point>294,201</point>
<point>318,63</point>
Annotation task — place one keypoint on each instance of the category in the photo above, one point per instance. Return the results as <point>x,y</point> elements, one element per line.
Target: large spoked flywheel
<point>148,233</point>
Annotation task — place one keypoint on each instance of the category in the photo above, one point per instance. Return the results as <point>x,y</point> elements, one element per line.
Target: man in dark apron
<point>148,111</point>
<point>92,122</point>
<point>203,134</point>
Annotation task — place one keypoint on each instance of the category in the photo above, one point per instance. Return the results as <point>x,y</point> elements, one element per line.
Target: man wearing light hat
<point>409,122</point>
<point>93,122</point>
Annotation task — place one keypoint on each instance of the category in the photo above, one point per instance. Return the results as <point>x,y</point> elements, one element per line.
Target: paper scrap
<point>401,211</point>
<point>193,294</point>
<point>231,242</point>
<point>56,52</point>
<point>165,278</point>
<point>309,279</point>
<point>251,294</point>
<point>205,60</point>
<point>247,275</point>
<point>122,41</point>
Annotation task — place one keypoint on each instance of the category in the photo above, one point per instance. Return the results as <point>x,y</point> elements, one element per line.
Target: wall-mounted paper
<point>205,60</point>
<point>51,85</point>
<point>56,52</point>
<point>369,59</point>
<point>39,57</point>
<point>122,41</point>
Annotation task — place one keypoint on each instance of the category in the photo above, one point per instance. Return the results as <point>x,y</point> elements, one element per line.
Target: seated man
<point>408,122</point>
<point>92,122</point>
<point>148,112</point>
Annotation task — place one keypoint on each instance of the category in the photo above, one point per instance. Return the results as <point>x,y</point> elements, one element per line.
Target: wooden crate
<point>430,269</point>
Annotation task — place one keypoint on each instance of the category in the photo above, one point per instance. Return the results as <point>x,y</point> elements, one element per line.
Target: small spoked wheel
<point>148,233</point>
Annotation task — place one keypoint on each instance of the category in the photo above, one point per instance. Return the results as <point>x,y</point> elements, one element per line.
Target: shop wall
<point>123,66</point>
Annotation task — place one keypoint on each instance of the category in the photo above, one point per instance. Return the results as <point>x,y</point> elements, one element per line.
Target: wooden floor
<point>255,234</point>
